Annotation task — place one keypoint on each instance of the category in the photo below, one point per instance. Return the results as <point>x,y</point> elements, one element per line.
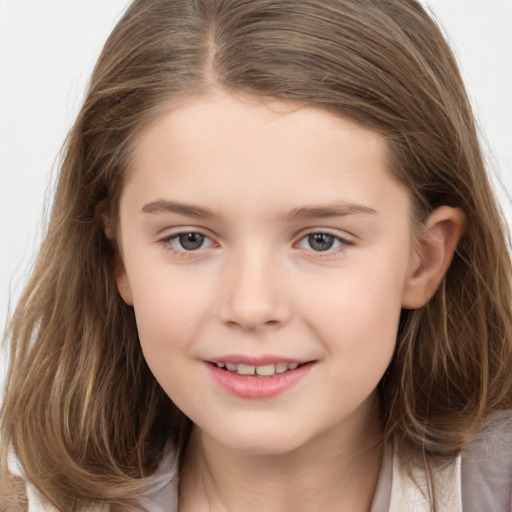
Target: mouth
<point>265,370</point>
<point>258,378</point>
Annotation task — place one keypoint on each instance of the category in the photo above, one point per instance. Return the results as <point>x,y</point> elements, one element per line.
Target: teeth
<point>266,370</point>
<point>246,369</point>
<point>281,367</point>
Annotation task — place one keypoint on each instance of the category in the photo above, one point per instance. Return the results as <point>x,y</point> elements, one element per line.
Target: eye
<point>322,242</point>
<point>187,241</point>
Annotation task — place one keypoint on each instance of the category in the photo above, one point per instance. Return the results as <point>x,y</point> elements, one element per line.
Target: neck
<point>337,470</point>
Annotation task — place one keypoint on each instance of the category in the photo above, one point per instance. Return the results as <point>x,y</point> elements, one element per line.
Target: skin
<point>269,176</point>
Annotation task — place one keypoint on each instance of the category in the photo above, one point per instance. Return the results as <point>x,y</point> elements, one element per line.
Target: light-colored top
<point>399,491</point>
<point>480,480</point>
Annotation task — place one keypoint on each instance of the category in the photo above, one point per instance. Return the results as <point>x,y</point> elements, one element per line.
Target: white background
<point>48,48</point>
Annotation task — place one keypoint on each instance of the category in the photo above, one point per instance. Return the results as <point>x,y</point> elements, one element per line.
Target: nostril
<point>249,326</point>
<point>252,305</point>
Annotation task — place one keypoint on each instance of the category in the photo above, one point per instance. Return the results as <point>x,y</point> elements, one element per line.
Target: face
<point>266,251</point>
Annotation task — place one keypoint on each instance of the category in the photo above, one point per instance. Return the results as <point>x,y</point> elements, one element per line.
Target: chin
<point>264,448</point>
<point>260,441</point>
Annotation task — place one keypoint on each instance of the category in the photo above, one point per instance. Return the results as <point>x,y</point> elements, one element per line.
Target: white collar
<point>409,491</point>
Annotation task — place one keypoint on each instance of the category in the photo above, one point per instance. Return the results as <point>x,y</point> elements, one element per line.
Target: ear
<point>118,269</point>
<point>121,278</point>
<point>432,255</point>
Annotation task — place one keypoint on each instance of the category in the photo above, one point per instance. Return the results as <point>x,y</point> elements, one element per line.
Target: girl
<point>275,276</point>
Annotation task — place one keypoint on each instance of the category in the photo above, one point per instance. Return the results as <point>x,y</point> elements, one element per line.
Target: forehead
<point>209,122</point>
<point>221,146</point>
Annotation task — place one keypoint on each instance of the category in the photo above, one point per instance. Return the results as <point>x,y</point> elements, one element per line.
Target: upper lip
<point>256,360</point>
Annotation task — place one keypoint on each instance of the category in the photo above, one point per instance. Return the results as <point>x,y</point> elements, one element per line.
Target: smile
<point>258,381</point>
<point>266,370</point>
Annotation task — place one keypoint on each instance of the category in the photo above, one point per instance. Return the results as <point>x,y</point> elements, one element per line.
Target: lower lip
<point>249,386</point>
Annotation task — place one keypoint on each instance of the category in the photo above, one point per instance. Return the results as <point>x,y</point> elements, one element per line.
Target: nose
<point>255,296</point>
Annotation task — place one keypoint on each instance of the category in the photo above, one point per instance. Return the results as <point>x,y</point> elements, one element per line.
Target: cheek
<point>356,314</point>
<point>359,335</point>
<point>170,309</point>
<point>168,321</point>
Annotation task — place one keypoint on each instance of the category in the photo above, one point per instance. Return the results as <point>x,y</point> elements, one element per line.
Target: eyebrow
<point>338,209</point>
<point>164,206</point>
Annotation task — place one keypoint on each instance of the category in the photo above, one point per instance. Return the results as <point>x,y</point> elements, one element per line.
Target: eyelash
<point>340,243</point>
<point>168,243</point>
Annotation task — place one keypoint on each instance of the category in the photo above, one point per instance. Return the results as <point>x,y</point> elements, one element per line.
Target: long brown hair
<point>82,412</point>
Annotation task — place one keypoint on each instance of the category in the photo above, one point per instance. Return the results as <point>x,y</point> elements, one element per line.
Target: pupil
<point>321,241</point>
<point>191,241</point>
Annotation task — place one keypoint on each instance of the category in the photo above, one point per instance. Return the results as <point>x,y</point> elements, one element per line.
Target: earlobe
<point>118,269</point>
<point>433,255</point>
<point>121,278</point>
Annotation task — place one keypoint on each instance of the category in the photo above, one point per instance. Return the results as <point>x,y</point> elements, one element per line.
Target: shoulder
<point>486,467</point>
<point>165,499</point>
<point>161,494</point>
